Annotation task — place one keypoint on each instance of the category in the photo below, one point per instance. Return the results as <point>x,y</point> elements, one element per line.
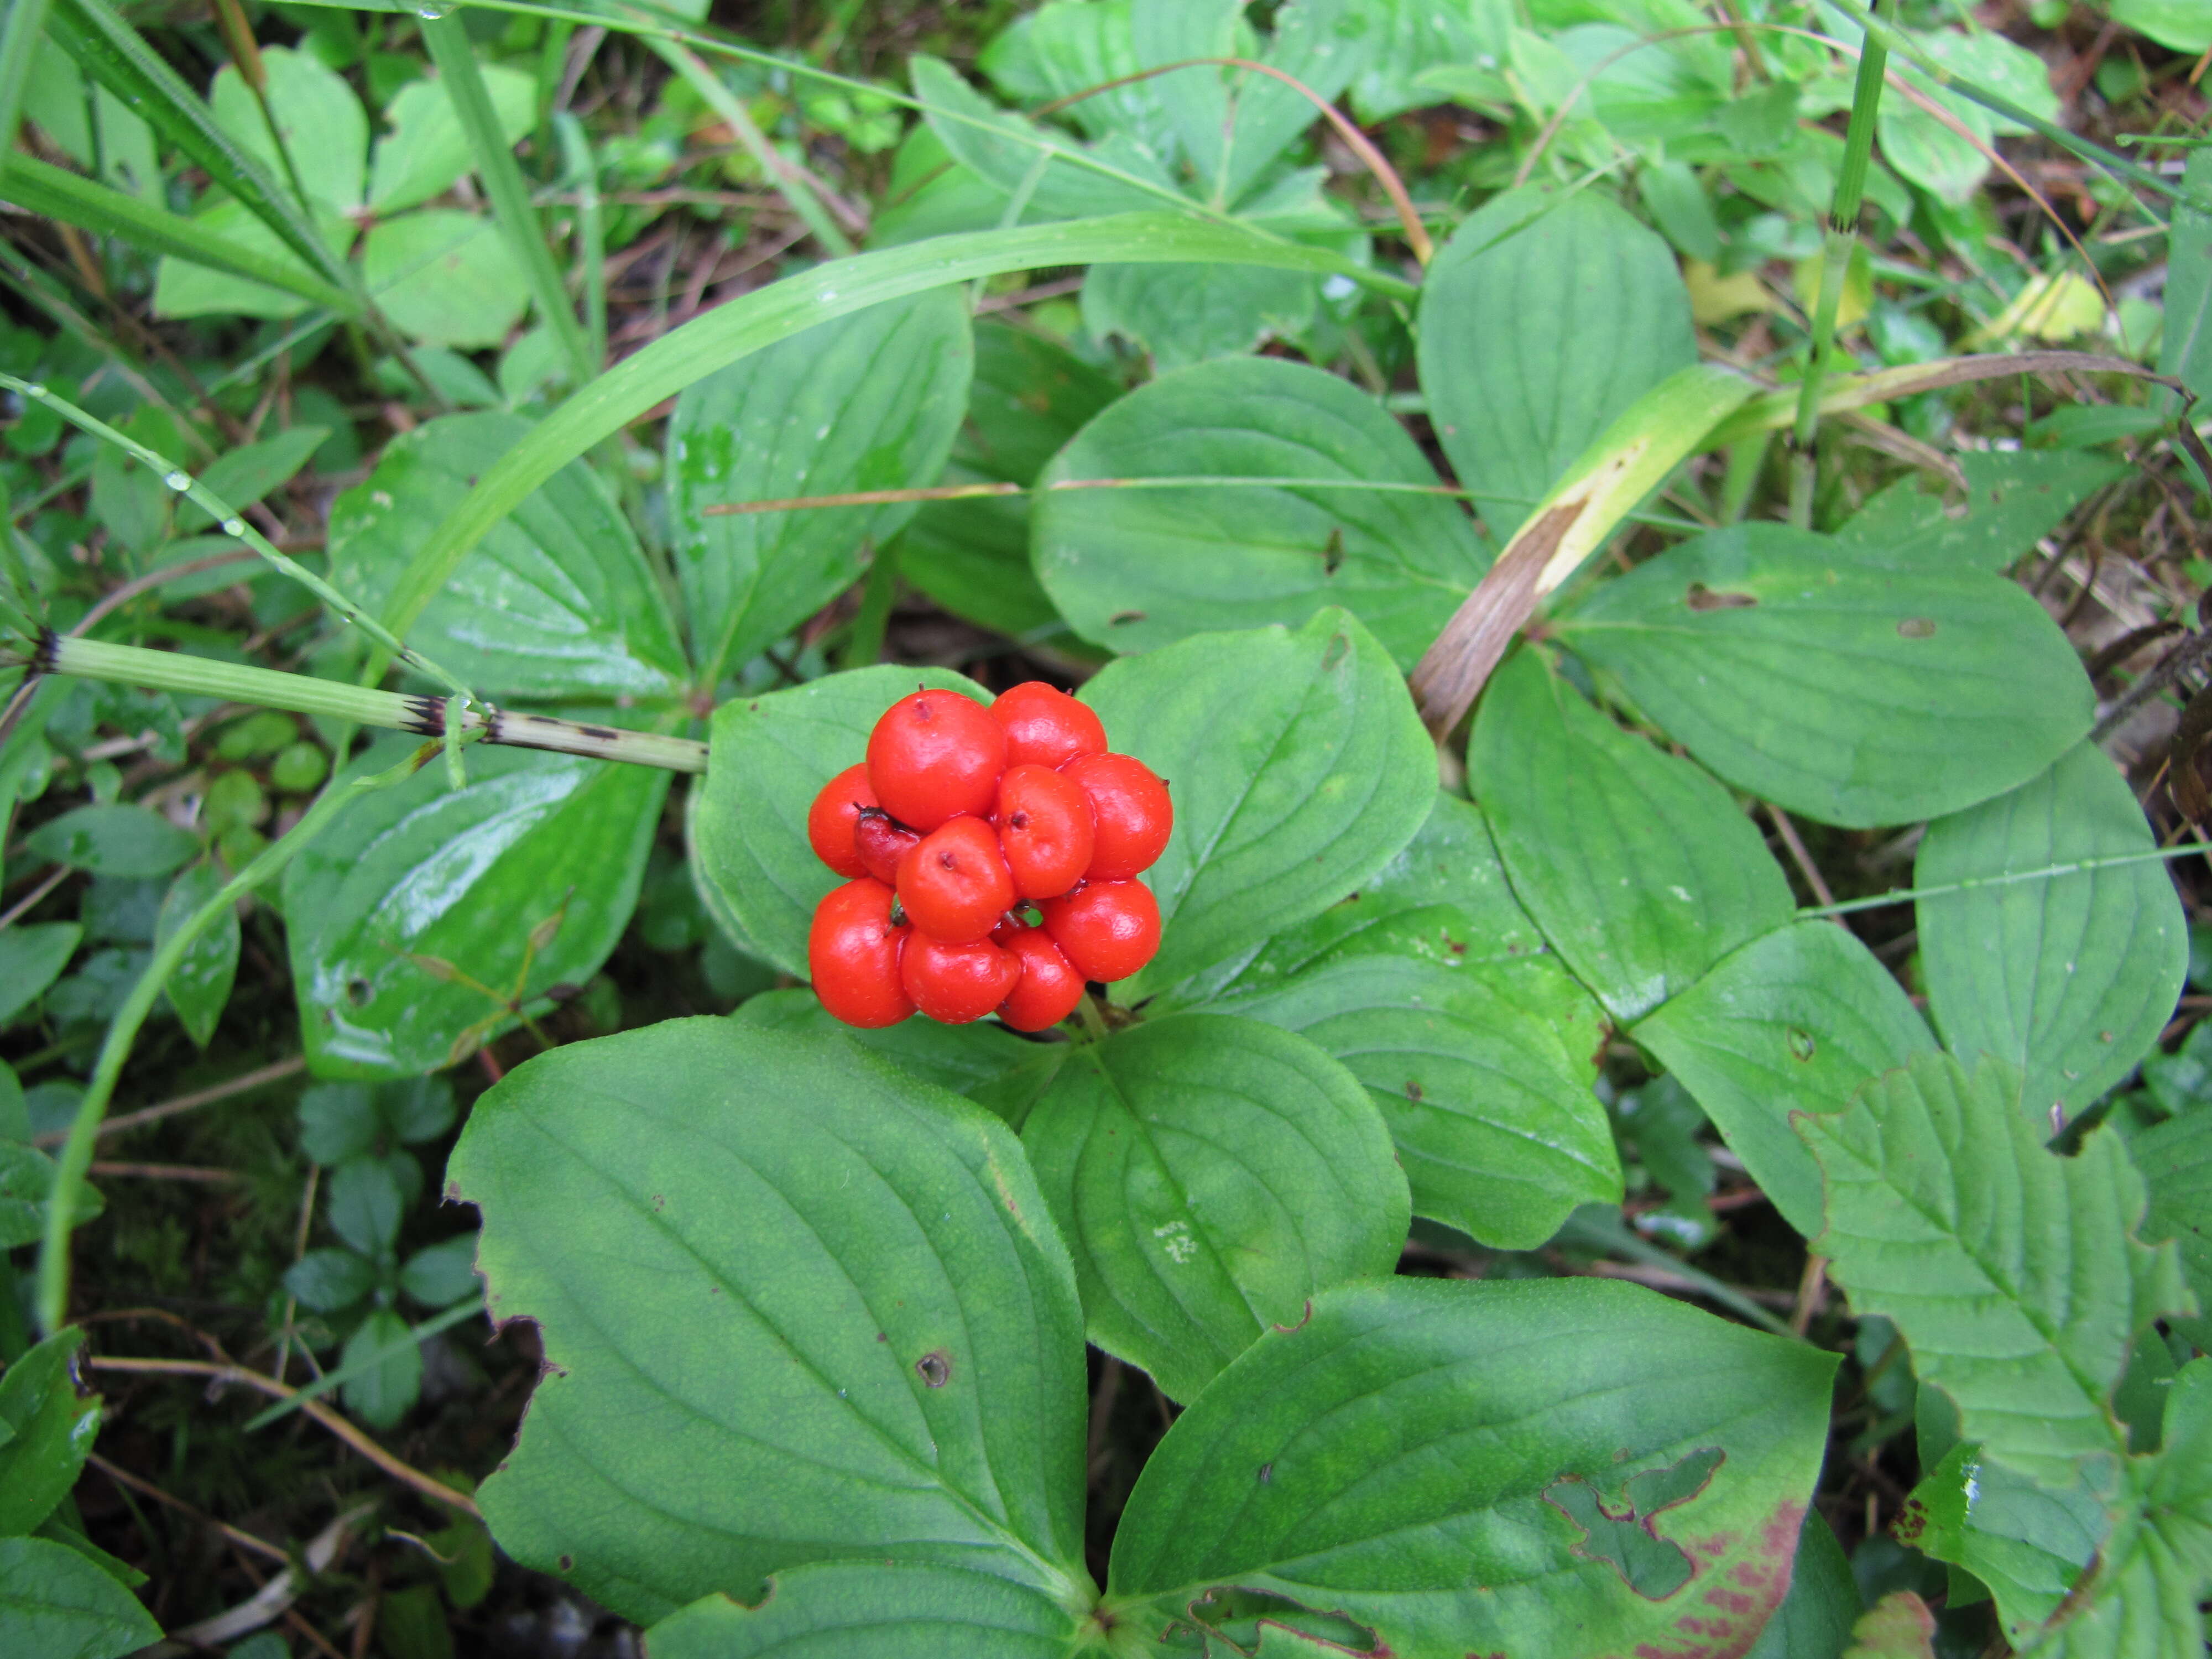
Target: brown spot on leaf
<point>1917,627</point>
<point>1698,597</point>
<point>1412,1089</point>
<point>934,1368</point>
<point>1121,617</point>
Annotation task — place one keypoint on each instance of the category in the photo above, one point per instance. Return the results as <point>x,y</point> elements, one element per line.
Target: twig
<point>245,1540</point>
<point>1801,857</point>
<point>244,1082</point>
<point>55,878</point>
<point>198,1172</point>
<point>2188,654</point>
<point>405,1474</point>
<point>1811,1294</point>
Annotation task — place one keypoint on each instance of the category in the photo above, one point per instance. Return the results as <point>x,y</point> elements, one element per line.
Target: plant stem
<point>590,232</point>
<point>2048,873</point>
<point>76,1151</point>
<point>18,45</point>
<point>448,38</point>
<point>304,694</point>
<point>1843,237</point>
<point>865,644</point>
<point>469,1307</point>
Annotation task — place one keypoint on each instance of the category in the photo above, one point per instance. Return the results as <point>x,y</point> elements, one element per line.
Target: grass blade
<point>110,51</point>
<point>797,303</point>
<point>57,193</point>
<point>18,45</point>
<point>448,41</point>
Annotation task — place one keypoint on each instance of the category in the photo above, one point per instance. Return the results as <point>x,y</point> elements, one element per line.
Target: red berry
<point>853,956</point>
<point>954,882</point>
<point>1045,727</point>
<point>1130,807</point>
<point>829,820</point>
<point>956,984</point>
<point>934,755</point>
<point>1049,989</point>
<point>1106,929</point>
<point>881,840</point>
<point>1044,829</point>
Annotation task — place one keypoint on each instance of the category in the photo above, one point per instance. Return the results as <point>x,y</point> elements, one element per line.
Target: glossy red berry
<point>956,984</point>
<point>954,882</point>
<point>829,820</point>
<point>1130,809</point>
<point>881,840</point>
<point>1044,829</point>
<point>853,956</point>
<point>1049,987</point>
<point>1106,929</point>
<point>935,756</point>
<point>1045,727</point>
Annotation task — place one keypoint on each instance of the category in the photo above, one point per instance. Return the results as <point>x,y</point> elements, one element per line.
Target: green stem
<point>76,1151</point>
<point>447,36</point>
<point>304,694</point>
<point>235,526</point>
<point>1843,237</point>
<point>2049,872</point>
<point>469,1308</point>
<point>591,227</point>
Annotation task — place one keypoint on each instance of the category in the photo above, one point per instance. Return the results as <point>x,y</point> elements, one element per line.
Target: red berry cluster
<point>959,820</point>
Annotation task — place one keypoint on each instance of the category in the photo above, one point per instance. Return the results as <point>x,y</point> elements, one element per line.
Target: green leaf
<point>840,288</point>
<point>2028,1543</point>
<point>57,1605</point>
<point>1017,157</point>
<point>418,1108</point>
<point>419,880</point>
<point>445,277</point>
<point>242,476</point>
<point>427,150</point>
<point>237,266</point>
<point>26,1176</point>
<point>1899,1626</point>
<point>2070,978</point>
<point>110,51</point>
<point>1793,1022</point>
<point>769,758</point>
<point>798,1305</point>
<point>115,840</point>
<point>1815,1618</point>
<point>865,402</point>
<point>1134,570</point>
<point>320,120</point>
<point>2176,1159</point>
<point>381,1394</point>
<point>1856,696</point>
<point>961,1058</point>
<point>1415,1456</point>
<point>1413,36</point>
<point>2185,345</point>
<point>51,1431</point>
<point>1639,867</point>
<point>1210,1175</point>
<point>885,1609</point>
<point>439,1275</point>
<point>331,1281</point>
<point>1494,1119</point>
<point>1297,768</point>
<point>338,1120</point>
<point>367,1203</point>
<point>31,958</point>
<point>1180,317</point>
<point>1941,1196</point>
<point>199,989</point>
<point>1542,319</point>
<point>2013,499</point>
<point>557,601</point>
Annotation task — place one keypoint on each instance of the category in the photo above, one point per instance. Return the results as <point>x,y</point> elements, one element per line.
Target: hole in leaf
<point>1698,597</point>
<point>358,992</point>
<point>934,1368</point>
<point>1622,1535</point>
<point>1802,1043</point>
